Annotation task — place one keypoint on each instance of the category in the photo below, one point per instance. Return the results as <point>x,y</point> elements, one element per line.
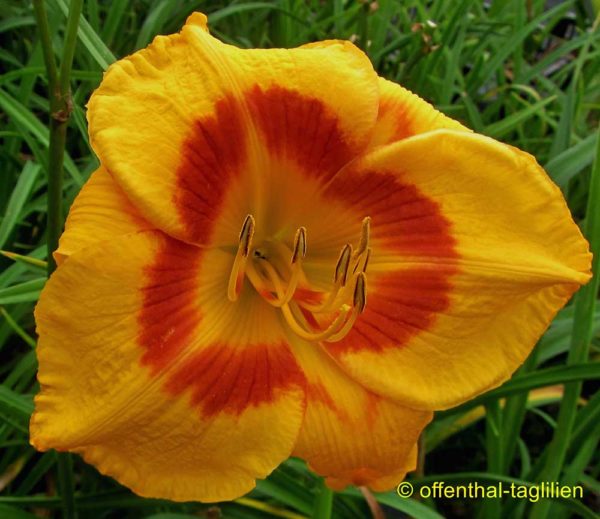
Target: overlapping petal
<point>403,114</point>
<point>350,435</point>
<point>474,252</point>
<point>145,373</point>
<point>189,125</point>
<point>100,212</point>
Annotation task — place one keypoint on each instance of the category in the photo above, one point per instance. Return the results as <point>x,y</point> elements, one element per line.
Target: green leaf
<point>567,164</point>
<point>287,491</point>
<point>231,10</point>
<point>501,128</point>
<point>18,198</point>
<point>171,515</point>
<point>36,473</point>
<point>24,292</point>
<point>12,404</point>
<point>541,378</point>
<point>114,19</point>
<point>12,275</point>
<point>19,113</point>
<point>15,22</point>
<point>407,505</point>
<point>502,52</point>
<point>10,512</point>
<point>90,40</point>
<point>154,22</point>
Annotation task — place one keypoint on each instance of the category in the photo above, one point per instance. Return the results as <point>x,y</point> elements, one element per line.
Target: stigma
<point>275,271</point>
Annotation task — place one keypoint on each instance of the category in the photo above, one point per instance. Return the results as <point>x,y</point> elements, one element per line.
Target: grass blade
<point>24,292</point>
<point>90,40</point>
<point>18,198</point>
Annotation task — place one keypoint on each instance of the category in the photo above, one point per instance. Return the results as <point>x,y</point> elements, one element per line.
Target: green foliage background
<point>522,71</point>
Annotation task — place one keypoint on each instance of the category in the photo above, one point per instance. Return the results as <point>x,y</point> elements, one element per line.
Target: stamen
<point>277,281</point>
<point>265,288</point>
<point>366,261</point>
<point>359,300</point>
<point>364,237</point>
<point>322,335</point>
<point>341,268</point>
<point>360,292</point>
<point>363,261</point>
<point>297,256</point>
<point>339,281</point>
<point>299,245</point>
<point>236,277</point>
<point>246,234</point>
<point>284,295</point>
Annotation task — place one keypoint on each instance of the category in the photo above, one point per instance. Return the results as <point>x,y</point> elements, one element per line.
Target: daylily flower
<point>283,254</point>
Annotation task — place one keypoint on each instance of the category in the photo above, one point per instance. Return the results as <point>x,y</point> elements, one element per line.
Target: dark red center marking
<point>301,129</point>
<point>169,311</point>
<point>211,158</point>
<point>397,119</point>
<point>221,378</point>
<point>405,302</point>
<point>228,379</point>
<point>295,127</point>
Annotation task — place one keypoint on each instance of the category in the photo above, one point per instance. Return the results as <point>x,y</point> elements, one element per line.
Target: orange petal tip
<point>198,19</point>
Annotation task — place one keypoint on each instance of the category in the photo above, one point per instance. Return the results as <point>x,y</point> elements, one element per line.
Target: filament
<point>277,280</point>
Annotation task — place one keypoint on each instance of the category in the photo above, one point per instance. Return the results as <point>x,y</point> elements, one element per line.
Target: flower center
<point>276,273</point>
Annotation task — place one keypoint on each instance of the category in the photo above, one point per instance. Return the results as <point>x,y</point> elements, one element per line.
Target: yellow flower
<point>208,317</point>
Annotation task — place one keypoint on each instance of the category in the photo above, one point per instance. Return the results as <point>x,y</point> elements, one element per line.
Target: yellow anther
<point>365,231</point>
<point>366,261</point>
<point>299,245</point>
<point>236,277</point>
<point>339,281</point>
<point>246,234</point>
<point>341,268</point>
<point>359,297</point>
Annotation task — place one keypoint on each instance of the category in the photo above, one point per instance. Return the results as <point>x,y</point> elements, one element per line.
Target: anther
<point>299,245</point>
<point>366,261</point>
<point>236,277</point>
<point>364,237</point>
<point>360,292</point>
<point>246,234</point>
<point>341,268</point>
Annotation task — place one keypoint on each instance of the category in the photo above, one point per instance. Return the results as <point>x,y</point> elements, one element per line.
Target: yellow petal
<point>156,384</point>
<point>352,436</point>
<point>474,252</point>
<point>190,125</point>
<point>403,114</point>
<point>100,212</point>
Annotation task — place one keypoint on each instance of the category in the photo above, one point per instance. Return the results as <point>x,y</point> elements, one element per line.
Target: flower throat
<point>276,273</point>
